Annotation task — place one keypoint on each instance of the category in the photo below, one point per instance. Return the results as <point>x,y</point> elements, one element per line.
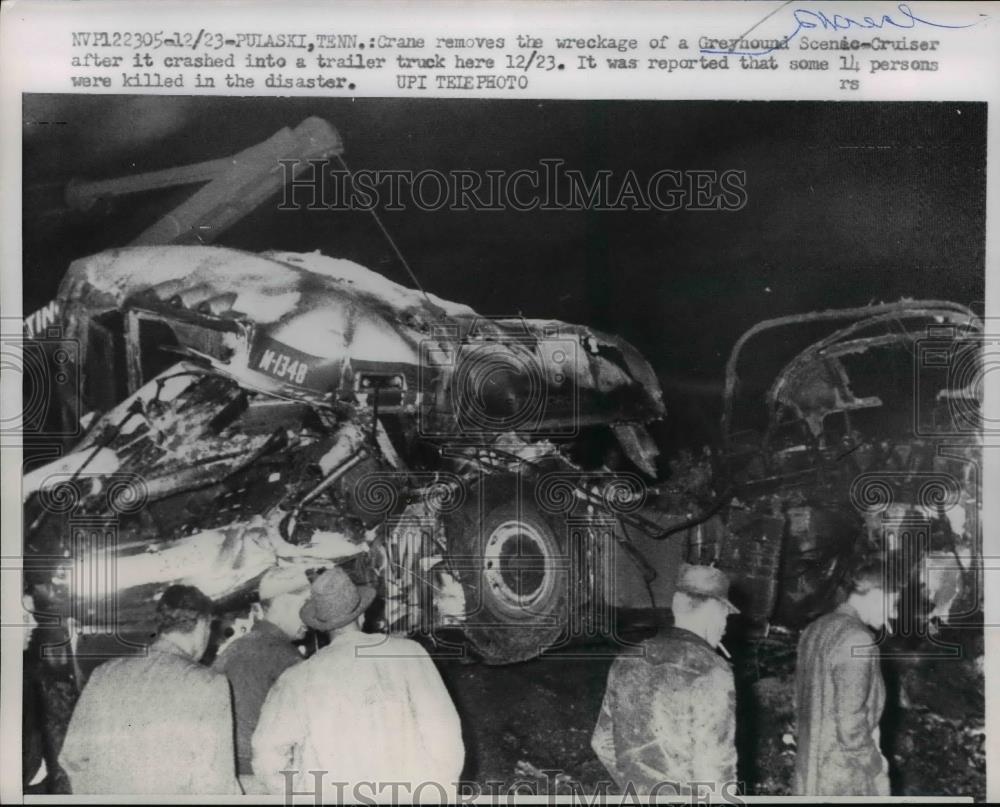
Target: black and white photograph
<point>411,450</point>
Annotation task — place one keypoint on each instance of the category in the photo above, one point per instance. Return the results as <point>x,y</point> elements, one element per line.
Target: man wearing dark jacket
<point>255,661</point>
<point>840,694</point>
<point>668,719</point>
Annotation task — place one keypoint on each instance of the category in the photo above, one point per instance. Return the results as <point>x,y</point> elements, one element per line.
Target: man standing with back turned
<point>367,711</point>
<point>668,721</point>
<point>159,724</point>
<point>840,694</point>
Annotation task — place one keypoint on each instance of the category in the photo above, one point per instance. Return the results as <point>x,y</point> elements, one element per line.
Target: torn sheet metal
<point>257,396</point>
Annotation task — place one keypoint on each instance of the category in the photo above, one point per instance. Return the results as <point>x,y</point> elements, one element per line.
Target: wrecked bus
<point>238,410</point>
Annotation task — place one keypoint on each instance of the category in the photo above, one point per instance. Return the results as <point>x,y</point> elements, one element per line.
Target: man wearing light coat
<point>159,724</point>
<point>367,711</point>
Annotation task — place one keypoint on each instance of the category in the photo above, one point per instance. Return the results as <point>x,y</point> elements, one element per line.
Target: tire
<point>514,571</point>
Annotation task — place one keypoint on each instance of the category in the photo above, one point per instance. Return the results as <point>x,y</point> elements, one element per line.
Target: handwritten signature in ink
<point>807,19</point>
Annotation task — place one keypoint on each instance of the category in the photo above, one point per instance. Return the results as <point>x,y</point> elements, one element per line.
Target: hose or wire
<point>719,503</point>
<point>392,243</point>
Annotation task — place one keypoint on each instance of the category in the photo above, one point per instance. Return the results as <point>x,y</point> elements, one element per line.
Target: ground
<point>525,719</point>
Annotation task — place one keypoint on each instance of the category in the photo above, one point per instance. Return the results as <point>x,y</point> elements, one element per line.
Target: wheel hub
<point>516,567</point>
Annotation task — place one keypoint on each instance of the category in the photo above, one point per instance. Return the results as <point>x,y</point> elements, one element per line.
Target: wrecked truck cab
<point>294,408</point>
<point>865,441</point>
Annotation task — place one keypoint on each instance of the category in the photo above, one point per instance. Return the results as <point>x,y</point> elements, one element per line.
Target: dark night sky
<point>847,204</point>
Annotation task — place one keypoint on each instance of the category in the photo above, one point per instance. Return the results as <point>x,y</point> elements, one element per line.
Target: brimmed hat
<point>705,581</point>
<point>335,601</point>
<point>282,580</point>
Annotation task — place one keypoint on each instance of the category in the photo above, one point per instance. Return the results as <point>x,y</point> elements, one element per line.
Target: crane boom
<point>235,187</point>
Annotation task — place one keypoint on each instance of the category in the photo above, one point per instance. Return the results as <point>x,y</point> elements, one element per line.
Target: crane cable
<point>392,243</point>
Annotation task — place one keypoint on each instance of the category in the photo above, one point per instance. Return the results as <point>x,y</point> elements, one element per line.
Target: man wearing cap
<point>159,724</point>
<point>840,694</point>
<point>368,710</point>
<point>667,724</point>
<point>255,661</point>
